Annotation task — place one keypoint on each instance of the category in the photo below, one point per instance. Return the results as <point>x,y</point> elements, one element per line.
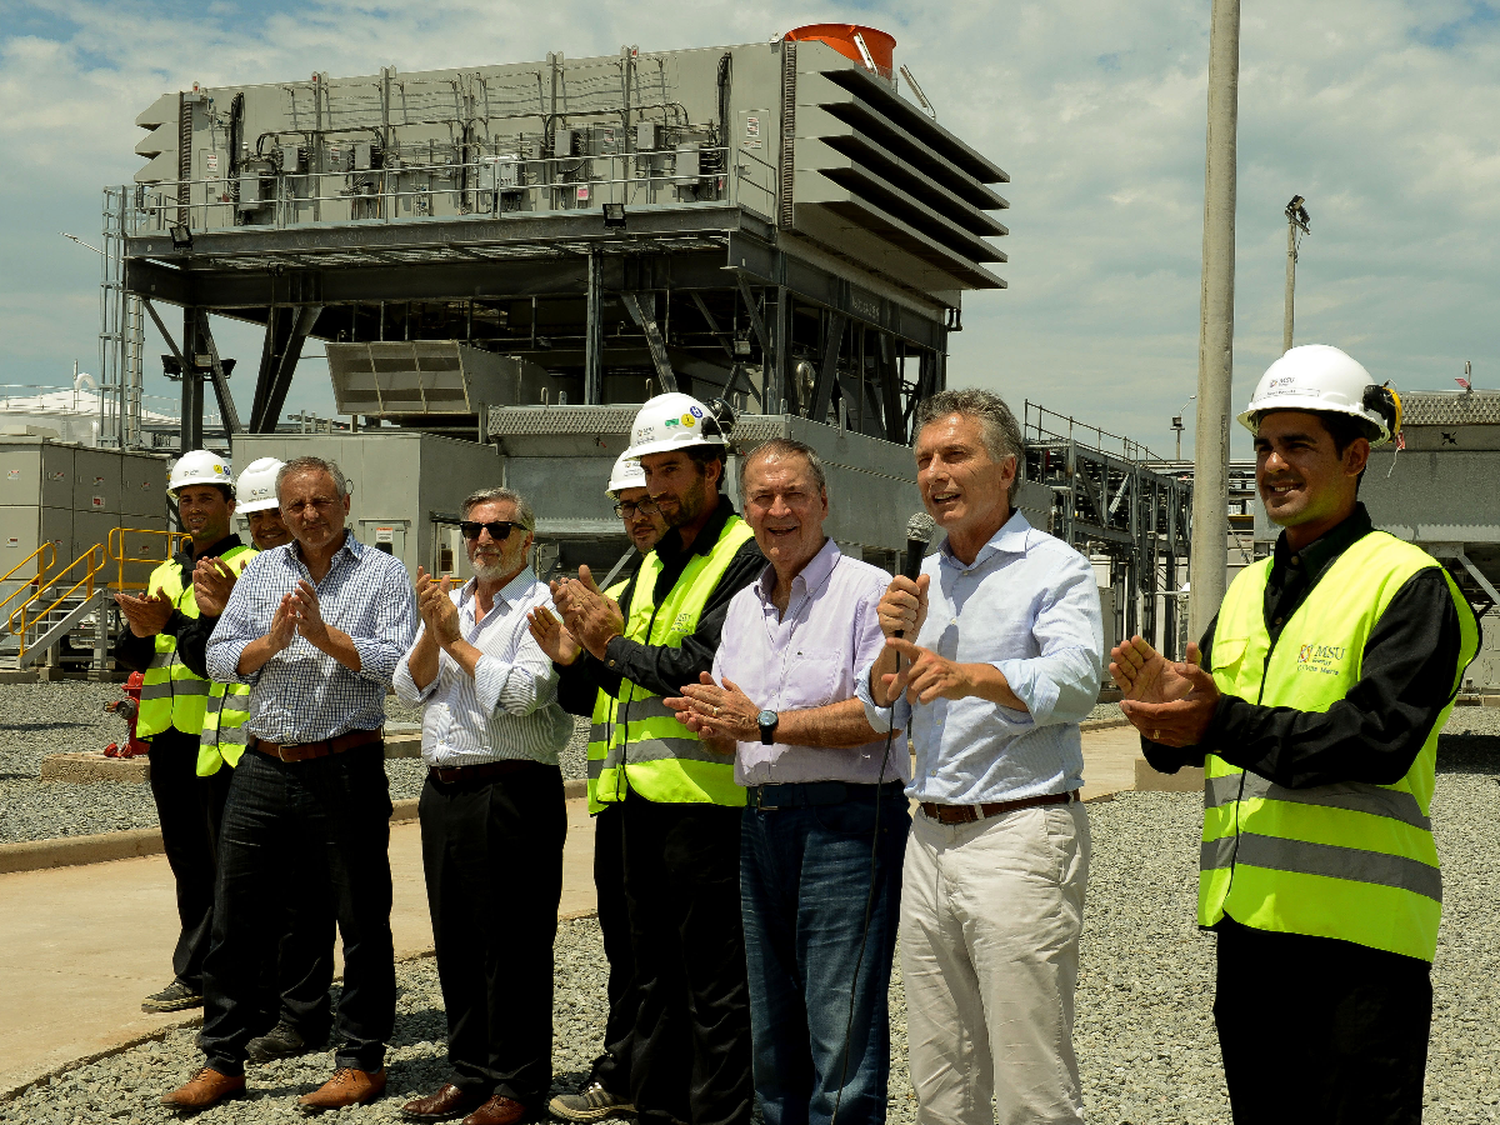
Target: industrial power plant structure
<point>503,262</point>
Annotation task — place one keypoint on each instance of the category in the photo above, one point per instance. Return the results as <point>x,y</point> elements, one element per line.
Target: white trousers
<point>991,912</point>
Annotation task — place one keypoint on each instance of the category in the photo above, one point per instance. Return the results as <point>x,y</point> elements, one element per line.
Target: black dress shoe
<point>449,1101</point>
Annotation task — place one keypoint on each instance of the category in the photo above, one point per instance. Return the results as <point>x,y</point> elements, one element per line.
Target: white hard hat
<point>673,421</point>
<point>627,473</point>
<point>1318,377</point>
<point>201,466</point>
<point>257,487</point>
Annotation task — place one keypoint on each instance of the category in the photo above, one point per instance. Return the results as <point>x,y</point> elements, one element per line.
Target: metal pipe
<point>1210,554</point>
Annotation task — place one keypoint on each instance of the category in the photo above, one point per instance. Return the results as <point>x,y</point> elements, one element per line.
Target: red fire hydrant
<point>130,708</point>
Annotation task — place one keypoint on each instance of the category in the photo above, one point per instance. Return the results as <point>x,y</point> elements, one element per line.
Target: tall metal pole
<point>1210,554</point>
<point>1291,285</point>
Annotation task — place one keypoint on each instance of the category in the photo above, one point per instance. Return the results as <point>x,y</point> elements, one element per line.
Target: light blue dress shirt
<point>302,694</point>
<point>1029,605</point>
<point>508,709</point>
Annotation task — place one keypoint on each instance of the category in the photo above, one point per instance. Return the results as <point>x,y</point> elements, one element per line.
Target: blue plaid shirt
<point>302,694</point>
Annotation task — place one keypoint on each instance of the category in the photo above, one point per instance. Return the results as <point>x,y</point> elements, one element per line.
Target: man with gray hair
<point>315,628</point>
<point>991,658</point>
<point>492,813</point>
<point>825,825</point>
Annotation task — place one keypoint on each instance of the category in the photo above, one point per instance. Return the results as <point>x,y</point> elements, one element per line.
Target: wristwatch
<point>767,721</point>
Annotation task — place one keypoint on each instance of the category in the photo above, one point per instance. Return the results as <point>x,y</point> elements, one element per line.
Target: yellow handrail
<point>88,579</point>
<point>45,556</point>
<point>116,551</point>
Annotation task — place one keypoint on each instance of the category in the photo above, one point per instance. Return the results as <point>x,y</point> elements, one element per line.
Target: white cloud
<point>1381,114</point>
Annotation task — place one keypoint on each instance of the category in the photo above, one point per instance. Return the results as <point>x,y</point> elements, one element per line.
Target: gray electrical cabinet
<point>407,487</point>
<point>75,497</point>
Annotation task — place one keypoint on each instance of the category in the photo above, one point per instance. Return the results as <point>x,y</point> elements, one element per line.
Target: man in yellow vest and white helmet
<point>174,700</point>
<point>1314,703</point>
<point>690,1051</point>
<point>606,1092</point>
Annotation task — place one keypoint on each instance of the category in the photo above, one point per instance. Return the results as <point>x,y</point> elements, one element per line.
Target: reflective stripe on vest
<point>600,724</point>
<point>1352,860</point>
<point>651,752</point>
<point>224,736</point>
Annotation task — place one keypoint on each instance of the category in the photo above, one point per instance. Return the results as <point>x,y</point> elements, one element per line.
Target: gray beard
<point>488,572</point>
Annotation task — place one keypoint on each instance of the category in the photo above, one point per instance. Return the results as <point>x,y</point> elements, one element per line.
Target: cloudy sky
<point>1382,113</point>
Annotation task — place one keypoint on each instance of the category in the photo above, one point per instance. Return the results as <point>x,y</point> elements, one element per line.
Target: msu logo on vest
<point>1321,658</point>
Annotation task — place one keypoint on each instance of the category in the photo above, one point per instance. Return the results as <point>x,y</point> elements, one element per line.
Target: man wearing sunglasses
<point>492,813</point>
<point>680,806</point>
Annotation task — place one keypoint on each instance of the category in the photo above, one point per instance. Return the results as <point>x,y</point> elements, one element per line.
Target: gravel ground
<point>31,809</point>
<point>1145,1034</point>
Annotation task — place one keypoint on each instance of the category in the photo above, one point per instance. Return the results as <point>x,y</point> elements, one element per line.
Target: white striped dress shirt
<point>508,709</point>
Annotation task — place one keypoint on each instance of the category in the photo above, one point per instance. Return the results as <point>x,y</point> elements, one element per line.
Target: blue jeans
<point>320,827</point>
<point>805,877</point>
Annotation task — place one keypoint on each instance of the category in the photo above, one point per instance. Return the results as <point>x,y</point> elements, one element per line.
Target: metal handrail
<point>87,579</point>
<point>48,553</point>
<point>115,549</point>
<point>156,203</point>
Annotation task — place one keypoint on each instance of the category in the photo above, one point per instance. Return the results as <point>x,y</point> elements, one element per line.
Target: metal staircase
<point>53,605</point>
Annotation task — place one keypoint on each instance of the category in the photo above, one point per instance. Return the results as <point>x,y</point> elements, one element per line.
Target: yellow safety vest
<point>600,725</point>
<point>647,750</point>
<point>1350,860</point>
<point>172,695</point>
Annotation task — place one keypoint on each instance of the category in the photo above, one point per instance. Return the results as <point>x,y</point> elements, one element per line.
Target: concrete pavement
<point>85,943</point>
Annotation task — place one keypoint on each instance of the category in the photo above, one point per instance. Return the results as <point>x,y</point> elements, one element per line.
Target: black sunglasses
<point>498,529</point>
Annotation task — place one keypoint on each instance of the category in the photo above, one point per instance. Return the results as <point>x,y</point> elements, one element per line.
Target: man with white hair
<point>492,813</point>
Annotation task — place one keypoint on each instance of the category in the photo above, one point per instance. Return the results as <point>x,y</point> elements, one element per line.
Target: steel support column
<point>593,340</point>
<point>192,384</point>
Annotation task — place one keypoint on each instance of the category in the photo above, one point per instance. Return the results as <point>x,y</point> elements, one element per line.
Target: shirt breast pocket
<point>815,677</point>
<point>1227,656</point>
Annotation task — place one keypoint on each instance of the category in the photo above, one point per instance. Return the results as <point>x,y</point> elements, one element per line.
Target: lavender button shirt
<point>808,658</point>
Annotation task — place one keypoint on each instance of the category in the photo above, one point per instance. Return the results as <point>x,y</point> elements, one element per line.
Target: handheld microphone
<point>918,536</point>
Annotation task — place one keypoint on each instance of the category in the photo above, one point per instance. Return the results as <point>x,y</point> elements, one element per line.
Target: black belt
<point>805,793</point>
<point>965,814</point>
<point>484,771</point>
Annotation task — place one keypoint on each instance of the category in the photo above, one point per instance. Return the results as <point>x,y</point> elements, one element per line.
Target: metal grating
<point>1451,408</point>
<point>548,421</point>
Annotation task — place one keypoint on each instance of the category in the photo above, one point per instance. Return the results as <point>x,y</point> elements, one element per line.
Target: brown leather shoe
<point>207,1087</point>
<point>348,1086</point>
<point>499,1110</point>
<point>449,1101</point>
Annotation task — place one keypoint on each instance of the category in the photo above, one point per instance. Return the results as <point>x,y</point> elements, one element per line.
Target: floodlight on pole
<point>1178,426</point>
<point>1297,220</point>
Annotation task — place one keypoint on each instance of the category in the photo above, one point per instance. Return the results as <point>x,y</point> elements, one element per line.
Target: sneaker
<point>592,1103</point>
<point>282,1042</point>
<point>174,998</point>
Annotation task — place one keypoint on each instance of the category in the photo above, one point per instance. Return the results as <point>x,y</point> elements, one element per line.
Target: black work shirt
<point>1375,732</point>
<point>191,633</point>
<point>660,668</point>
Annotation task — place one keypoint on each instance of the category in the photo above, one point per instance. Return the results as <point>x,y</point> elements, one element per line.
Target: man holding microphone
<point>999,642</point>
